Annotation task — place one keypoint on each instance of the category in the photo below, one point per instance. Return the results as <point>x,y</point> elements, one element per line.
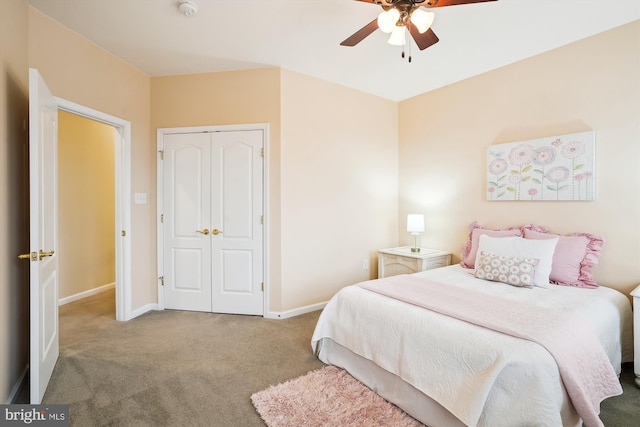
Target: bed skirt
<point>404,395</point>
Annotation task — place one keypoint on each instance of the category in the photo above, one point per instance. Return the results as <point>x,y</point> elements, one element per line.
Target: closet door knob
<point>205,231</point>
<point>33,256</point>
<point>216,231</point>
<point>44,254</point>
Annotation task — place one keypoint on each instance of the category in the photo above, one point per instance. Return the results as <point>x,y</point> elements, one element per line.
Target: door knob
<point>44,254</point>
<point>216,231</point>
<point>33,256</point>
<point>205,231</point>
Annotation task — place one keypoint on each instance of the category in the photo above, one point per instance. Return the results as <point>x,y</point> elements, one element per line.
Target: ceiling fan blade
<point>441,3</point>
<point>424,40</point>
<point>359,35</point>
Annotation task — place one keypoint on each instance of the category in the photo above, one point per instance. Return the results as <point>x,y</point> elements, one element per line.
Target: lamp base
<point>415,249</point>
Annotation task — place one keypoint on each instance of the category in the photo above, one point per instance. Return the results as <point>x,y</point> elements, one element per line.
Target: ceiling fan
<point>401,15</point>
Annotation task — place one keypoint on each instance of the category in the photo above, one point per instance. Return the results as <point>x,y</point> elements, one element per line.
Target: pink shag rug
<point>327,397</point>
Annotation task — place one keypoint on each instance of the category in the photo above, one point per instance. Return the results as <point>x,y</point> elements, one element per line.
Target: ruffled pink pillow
<point>470,248</point>
<point>574,257</point>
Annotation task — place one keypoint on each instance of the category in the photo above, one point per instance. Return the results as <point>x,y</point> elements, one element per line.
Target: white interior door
<point>212,221</point>
<point>237,212</point>
<point>186,219</point>
<point>43,239</point>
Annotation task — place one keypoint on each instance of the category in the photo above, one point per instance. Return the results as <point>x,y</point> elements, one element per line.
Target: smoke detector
<point>188,8</point>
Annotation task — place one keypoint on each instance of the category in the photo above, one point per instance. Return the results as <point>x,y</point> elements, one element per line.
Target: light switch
<point>140,198</point>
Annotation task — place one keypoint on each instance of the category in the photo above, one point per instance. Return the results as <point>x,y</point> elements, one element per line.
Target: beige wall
<point>14,214</point>
<point>86,204</point>
<point>79,71</point>
<point>593,84</point>
<point>332,170</point>
<point>339,186</point>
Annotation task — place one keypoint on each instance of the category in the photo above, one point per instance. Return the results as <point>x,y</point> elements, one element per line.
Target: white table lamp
<point>415,226</point>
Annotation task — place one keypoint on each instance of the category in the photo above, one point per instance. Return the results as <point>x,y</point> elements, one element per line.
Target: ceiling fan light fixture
<point>422,19</point>
<point>397,37</point>
<point>387,20</point>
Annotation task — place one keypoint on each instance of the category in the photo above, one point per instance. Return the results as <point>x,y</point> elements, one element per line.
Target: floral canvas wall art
<point>553,168</point>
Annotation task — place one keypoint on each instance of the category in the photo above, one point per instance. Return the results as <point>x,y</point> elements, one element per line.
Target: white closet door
<point>187,213</point>
<point>237,212</point>
<point>213,238</point>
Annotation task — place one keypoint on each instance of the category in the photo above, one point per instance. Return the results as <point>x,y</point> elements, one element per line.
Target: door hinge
<point>161,154</point>
<point>123,233</point>
<point>262,286</point>
<point>161,280</point>
<point>262,152</point>
<point>162,218</point>
<point>261,219</point>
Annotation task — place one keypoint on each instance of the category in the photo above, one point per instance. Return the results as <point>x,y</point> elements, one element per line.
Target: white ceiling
<point>304,36</point>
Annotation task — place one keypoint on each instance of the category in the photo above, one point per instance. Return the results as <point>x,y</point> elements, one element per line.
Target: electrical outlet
<point>365,264</point>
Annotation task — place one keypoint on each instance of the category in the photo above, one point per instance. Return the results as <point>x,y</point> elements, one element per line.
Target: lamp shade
<point>387,20</point>
<point>422,19</point>
<point>397,36</point>
<point>415,223</point>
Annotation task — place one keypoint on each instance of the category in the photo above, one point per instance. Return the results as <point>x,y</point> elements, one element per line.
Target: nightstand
<point>402,261</point>
<point>636,333</point>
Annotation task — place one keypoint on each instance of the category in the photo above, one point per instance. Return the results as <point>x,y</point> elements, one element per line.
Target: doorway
<point>122,187</point>
<point>43,225</point>
<point>86,207</point>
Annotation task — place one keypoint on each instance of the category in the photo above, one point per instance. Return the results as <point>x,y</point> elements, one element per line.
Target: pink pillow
<point>573,258</point>
<point>470,248</point>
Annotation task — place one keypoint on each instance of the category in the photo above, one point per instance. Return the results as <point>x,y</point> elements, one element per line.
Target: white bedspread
<point>481,376</point>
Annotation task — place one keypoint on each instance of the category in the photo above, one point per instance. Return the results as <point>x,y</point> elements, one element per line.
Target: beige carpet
<point>172,368</point>
<point>188,369</point>
<point>327,397</point>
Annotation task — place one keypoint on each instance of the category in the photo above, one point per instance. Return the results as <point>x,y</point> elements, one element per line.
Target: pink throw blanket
<point>584,367</point>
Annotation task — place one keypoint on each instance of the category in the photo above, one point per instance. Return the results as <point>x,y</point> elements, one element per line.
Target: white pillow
<point>523,248</point>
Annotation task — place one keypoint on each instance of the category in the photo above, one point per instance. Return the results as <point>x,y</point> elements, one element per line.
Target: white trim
<point>85,294</point>
<point>16,387</point>
<point>214,128</point>
<point>123,200</point>
<point>142,310</point>
<point>266,216</point>
<point>159,202</point>
<point>264,127</point>
<point>296,311</point>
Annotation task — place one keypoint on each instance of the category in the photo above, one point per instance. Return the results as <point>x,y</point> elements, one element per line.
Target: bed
<point>446,371</point>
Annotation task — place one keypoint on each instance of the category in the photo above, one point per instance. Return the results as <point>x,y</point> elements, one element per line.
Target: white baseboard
<point>67,300</point>
<point>142,310</point>
<point>16,388</point>
<point>295,311</point>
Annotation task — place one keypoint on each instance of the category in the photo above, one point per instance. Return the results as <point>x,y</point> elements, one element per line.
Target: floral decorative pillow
<point>510,270</point>
<point>470,249</point>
